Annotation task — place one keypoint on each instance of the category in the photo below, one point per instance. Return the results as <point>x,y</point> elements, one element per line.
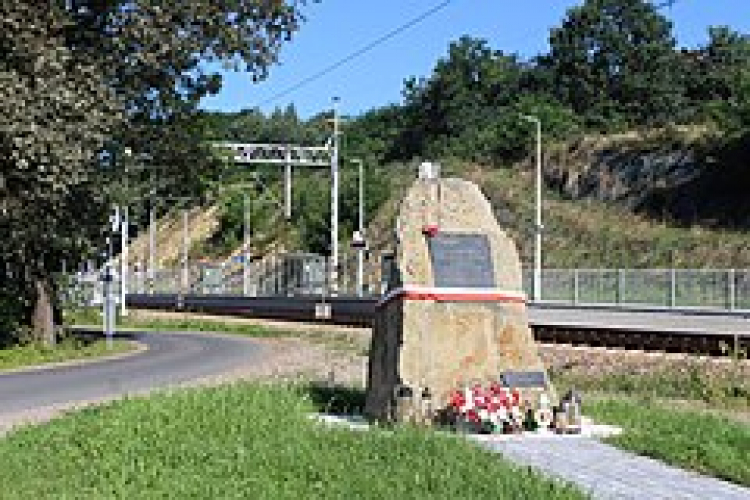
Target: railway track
<point>666,333</point>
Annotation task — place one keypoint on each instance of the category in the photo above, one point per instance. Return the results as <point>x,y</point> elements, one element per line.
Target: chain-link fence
<point>309,274</point>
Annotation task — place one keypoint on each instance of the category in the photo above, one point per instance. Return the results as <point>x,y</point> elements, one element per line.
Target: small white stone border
<point>589,430</point>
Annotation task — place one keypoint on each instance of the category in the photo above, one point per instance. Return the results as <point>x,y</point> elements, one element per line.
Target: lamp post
<point>246,245</point>
<point>124,265</point>
<point>537,282</point>
<point>361,227</point>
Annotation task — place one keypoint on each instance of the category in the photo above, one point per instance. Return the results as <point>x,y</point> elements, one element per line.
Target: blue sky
<point>336,28</point>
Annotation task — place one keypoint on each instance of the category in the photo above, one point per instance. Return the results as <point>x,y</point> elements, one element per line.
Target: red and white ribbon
<point>453,294</point>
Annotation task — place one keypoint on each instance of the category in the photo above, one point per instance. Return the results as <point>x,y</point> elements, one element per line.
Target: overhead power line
<point>357,53</point>
<point>667,3</point>
<point>391,34</point>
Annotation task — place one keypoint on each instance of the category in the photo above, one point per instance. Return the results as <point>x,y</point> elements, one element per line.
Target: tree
<point>465,91</point>
<point>374,136</point>
<point>614,61</point>
<point>56,112</point>
<point>81,81</point>
<point>717,75</point>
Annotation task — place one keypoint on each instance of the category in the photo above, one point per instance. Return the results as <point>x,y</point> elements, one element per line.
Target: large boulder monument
<point>451,332</point>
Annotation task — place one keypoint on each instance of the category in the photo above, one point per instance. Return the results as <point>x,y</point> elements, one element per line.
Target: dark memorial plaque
<point>461,260</point>
<point>522,380</point>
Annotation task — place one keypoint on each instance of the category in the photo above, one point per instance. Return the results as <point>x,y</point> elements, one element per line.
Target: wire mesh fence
<point>309,274</point>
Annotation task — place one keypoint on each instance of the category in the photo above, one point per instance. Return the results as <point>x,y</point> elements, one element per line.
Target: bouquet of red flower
<point>486,410</point>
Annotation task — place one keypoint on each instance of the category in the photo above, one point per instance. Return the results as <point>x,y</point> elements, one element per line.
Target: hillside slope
<point>594,234</point>
<point>580,233</point>
<point>593,210</point>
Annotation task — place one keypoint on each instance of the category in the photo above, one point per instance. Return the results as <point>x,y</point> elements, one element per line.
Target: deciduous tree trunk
<point>42,321</point>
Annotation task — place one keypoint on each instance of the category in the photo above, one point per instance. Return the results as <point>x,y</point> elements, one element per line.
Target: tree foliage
<point>612,65</point>
<point>717,78</point>
<point>615,60</point>
<point>82,82</point>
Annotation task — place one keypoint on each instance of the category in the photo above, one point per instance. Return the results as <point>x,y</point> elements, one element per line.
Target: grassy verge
<point>67,350</point>
<point>245,441</point>
<point>706,443</point>
<point>92,317</point>
<point>722,386</point>
<point>335,340</point>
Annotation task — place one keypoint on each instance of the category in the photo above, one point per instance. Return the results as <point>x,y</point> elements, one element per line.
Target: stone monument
<point>454,313</point>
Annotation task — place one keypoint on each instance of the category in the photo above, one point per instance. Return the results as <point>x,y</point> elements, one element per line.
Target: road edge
<point>140,347</point>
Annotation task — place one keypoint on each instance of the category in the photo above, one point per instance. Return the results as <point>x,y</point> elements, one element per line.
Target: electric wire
<point>334,66</point>
<point>391,34</point>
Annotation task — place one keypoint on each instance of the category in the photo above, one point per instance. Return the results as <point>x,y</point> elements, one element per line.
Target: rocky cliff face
<point>623,168</point>
<point>689,176</point>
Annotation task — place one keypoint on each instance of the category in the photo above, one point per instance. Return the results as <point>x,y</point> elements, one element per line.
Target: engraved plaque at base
<point>524,379</point>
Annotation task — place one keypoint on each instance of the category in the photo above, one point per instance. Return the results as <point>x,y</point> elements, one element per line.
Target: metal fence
<point>293,275</point>
<point>726,289</point>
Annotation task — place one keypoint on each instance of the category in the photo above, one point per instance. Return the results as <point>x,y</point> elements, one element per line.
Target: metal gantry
<point>278,154</point>
<point>290,156</point>
<point>287,155</point>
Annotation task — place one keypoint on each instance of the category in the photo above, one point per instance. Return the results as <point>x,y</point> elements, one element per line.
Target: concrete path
<point>606,472</point>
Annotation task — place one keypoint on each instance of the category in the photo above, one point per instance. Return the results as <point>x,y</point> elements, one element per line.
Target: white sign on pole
<point>358,240</point>
<point>323,310</point>
<point>114,219</point>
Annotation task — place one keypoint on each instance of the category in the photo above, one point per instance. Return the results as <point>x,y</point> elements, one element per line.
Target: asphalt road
<point>170,359</point>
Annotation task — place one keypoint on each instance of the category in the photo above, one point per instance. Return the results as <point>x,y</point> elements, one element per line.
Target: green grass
<point>66,350</point>
<point>248,441</point>
<point>706,443</point>
<point>728,387</point>
<point>689,415</point>
<point>91,317</point>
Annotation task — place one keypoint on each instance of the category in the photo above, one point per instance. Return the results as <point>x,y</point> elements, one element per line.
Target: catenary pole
<point>538,232</point>
<point>360,226</point>
<point>537,277</point>
<point>185,276</point>
<point>246,247</point>
<point>288,184</point>
<point>335,200</point>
